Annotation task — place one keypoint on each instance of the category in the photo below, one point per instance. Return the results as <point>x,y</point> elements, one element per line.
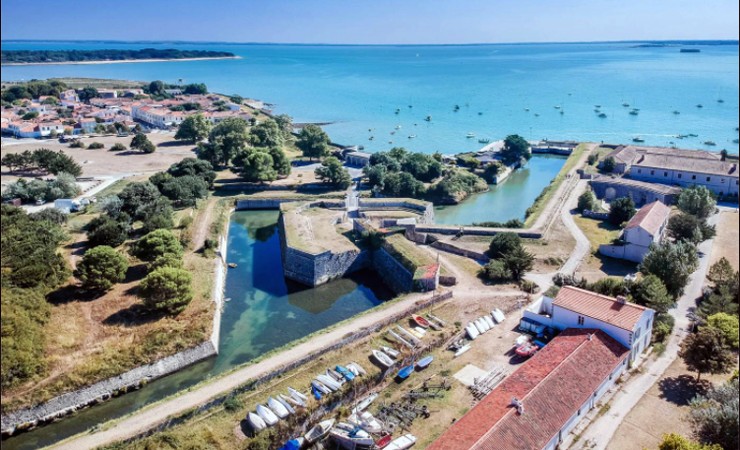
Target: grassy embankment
<point>534,211</point>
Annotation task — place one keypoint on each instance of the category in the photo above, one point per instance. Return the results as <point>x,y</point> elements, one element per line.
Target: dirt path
<point>203,223</point>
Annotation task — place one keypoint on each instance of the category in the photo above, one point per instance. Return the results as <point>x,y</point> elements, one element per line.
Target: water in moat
<point>265,311</point>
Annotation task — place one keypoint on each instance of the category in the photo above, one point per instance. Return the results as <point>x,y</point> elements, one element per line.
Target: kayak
<point>424,362</point>
<point>349,376</point>
<point>393,353</point>
<point>316,393</point>
<point>297,395</point>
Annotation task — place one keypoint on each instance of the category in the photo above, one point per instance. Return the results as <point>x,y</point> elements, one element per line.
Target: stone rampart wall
<point>452,248</point>
<point>393,273</point>
<point>477,231</point>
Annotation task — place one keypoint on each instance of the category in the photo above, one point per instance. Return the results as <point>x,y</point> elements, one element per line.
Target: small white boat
<point>382,358</point>
<point>366,421</point>
<point>393,353</point>
<point>267,415</point>
<point>402,442</point>
<point>436,319</point>
<point>291,400</point>
<point>498,315</point>
<point>351,437</point>
<point>403,341</point>
<point>298,396</point>
<point>364,403</point>
<point>256,422</point>
<point>319,431</point>
<point>329,382</point>
<point>320,387</point>
<point>278,408</point>
<point>351,367</point>
<point>470,135</point>
<point>359,368</point>
<point>462,350</point>
<point>421,331</point>
<point>416,334</point>
<point>285,404</point>
<point>407,334</point>
<point>336,376</point>
<point>472,331</point>
<point>479,325</point>
<point>489,321</point>
<point>484,323</point>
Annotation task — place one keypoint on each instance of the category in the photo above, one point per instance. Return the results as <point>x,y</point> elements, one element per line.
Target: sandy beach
<point>118,61</point>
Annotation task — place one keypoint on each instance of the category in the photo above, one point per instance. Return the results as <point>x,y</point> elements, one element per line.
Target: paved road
<point>600,432</point>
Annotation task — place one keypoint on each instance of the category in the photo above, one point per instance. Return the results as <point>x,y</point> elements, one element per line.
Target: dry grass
<point>596,266</point>
<point>726,243</point>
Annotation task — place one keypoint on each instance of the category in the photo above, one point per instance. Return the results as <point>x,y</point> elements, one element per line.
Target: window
<point>639,170</point>
<point>652,172</point>
<point>709,178</point>
<point>680,175</point>
<point>637,334</point>
<point>580,320</point>
<point>665,174</point>
<point>693,177</point>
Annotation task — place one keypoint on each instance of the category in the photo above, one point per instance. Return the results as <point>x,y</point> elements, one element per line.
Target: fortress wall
<point>393,273</point>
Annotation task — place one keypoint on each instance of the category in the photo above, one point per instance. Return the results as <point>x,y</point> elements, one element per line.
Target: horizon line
<point>178,41</point>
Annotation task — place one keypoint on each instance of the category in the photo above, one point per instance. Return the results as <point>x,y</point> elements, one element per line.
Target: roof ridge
<point>589,332</point>
<point>605,297</point>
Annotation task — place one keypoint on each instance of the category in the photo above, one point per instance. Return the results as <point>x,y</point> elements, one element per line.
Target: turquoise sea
<point>359,88</point>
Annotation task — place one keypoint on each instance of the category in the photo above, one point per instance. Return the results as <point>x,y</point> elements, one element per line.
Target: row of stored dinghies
<point>411,338</point>
<point>484,324</point>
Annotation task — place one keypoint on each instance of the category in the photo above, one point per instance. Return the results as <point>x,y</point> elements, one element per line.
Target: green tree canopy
<point>255,166</point>
<point>167,290</point>
<point>155,244</point>
<point>194,128</point>
<point>651,292</point>
<point>106,230</point>
<point>515,148</point>
<point>675,441</point>
<point>689,228</point>
<point>673,263</point>
<point>503,243</point>
<point>519,262</point>
<point>697,201</point>
<point>707,351</point>
<point>101,267</point>
<point>313,141</point>
<point>267,134</point>
<point>608,164</point>
<point>193,166</point>
<point>621,210</point>
<point>333,172</point>
<point>24,314</point>
<point>141,142</point>
<point>715,416</point>
<point>587,201</point>
<point>135,196</point>
<point>728,325</point>
<point>225,140</point>
<point>285,122</point>
<point>156,215</point>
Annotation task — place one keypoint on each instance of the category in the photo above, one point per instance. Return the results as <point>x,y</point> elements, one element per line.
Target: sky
<point>370,21</point>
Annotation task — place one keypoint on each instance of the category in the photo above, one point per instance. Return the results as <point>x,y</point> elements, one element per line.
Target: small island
<point>18,57</point>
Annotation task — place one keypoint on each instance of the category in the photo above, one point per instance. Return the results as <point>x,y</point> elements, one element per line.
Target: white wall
<point>719,184</point>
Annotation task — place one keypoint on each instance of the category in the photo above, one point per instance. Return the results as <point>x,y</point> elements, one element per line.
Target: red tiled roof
<point>552,385</point>
<point>623,315</point>
<point>650,217</point>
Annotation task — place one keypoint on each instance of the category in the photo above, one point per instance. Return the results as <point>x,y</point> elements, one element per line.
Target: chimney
<point>621,299</point>
<point>518,404</point>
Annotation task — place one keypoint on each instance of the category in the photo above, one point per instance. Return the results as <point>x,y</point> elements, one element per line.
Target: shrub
<point>117,147</point>
<point>104,230</point>
<point>621,210</point>
<point>587,201</point>
<point>101,268</point>
<point>156,244</point>
<point>166,260</point>
<point>503,244</point>
<point>167,290</point>
<point>528,286</point>
<point>496,271</point>
<point>96,145</point>
<point>77,144</point>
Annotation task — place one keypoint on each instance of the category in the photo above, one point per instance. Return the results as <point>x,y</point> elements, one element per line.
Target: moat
<point>264,311</point>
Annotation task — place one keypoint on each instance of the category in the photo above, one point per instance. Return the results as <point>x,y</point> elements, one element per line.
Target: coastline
<point>63,63</point>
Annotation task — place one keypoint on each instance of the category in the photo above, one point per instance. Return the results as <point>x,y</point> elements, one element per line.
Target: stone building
<point>646,228</point>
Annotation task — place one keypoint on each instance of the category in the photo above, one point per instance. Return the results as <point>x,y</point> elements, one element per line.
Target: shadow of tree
<point>681,389</point>
<point>78,248</point>
<point>133,316</point>
<point>72,293</point>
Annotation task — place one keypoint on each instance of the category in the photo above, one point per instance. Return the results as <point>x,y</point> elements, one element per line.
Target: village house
<point>627,323</point>
<point>677,167</point>
<point>646,228</point>
<point>536,407</point>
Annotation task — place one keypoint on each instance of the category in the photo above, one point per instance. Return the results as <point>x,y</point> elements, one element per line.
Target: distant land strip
<point>18,57</point>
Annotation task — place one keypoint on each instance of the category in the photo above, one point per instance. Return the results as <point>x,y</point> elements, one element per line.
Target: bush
<point>503,244</point>
<point>496,271</point>
<point>77,144</point>
<point>155,244</point>
<point>621,210</point>
<point>95,146</point>
<point>609,286</point>
<point>101,268</point>
<point>587,201</point>
<point>528,286</point>
<point>233,404</point>
<point>166,260</point>
<point>104,230</point>
<point>167,290</point>
<point>117,147</point>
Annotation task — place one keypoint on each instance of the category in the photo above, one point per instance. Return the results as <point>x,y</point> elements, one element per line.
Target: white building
<point>627,323</point>
<point>647,227</point>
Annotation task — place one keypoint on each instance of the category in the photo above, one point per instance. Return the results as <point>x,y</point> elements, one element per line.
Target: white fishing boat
<point>489,321</point>
<point>359,368</point>
<point>319,431</point>
<point>382,358</point>
<point>364,403</point>
<point>472,331</point>
<point>291,400</point>
<point>278,408</point>
<point>408,334</point>
<point>393,353</point>
<point>351,437</point>
<point>256,422</point>
<point>285,404</point>
<point>320,387</point>
<point>403,341</point>
<point>462,350</point>
<point>402,442</point>
<point>470,135</point>
<point>298,396</point>
<point>498,315</point>
<point>329,382</point>
<point>366,421</point>
<point>267,415</point>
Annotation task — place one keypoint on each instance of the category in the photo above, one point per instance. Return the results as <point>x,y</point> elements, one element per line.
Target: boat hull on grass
<point>462,350</point>
<point>405,372</point>
<point>256,422</point>
<point>384,360</point>
<point>267,415</point>
<point>319,431</point>
<point>278,408</point>
<point>402,442</point>
<point>424,362</point>
<point>498,315</point>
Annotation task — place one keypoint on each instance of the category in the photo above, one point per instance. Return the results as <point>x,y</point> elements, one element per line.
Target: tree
<point>313,141</point>
<point>105,230</point>
<point>519,262</point>
<point>724,154</point>
<point>85,94</point>
<point>166,260</point>
<point>155,244</point>
<point>196,167</point>
<point>721,300</point>
<point>697,201</point>
<point>587,201</point>
<point>267,134</point>
<point>496,271</point>
<point>663,327</point>
<point>56,162</point>
<point>707,352</point>
<point>156,88</point>
<point>721,272</point>
<point>503,244</point>
<point>238,99</point>
<point>167,289</point>
<point>728,325</point>
<point>673,263</point>
<point>515,148</point>
<point>621,210</point>
<point>285,122</point>
<point>52,215</point>
<point>156,215</point>
<point>332,172</point>
<point>185,190</point>
<point>280,162</point>
<point>101,267</point>
<point>651,292</point>
<point>255,166</point>
<point>141,142</point>
<point>715,416</point>
<point>135,196</point>
<point>422,167</point>
<point>610,286</point>
<point>675,441</point>
<point>226,139</point>
<point>195,89</point>
<point>608,164</point>
<point>194,128</point>
<point>689,228</point>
